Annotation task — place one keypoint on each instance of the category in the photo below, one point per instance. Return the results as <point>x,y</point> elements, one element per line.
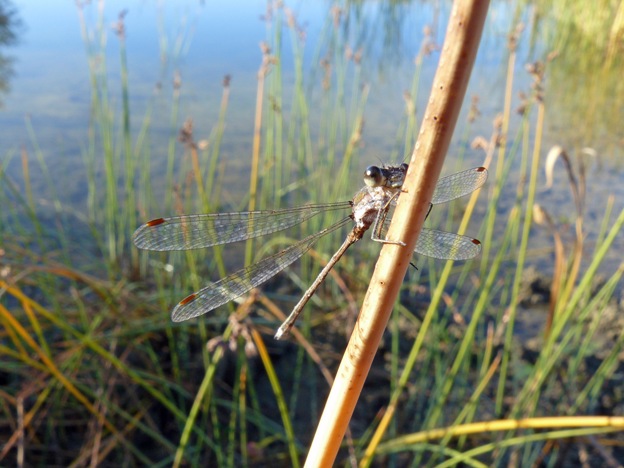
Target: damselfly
<point>370,207</point>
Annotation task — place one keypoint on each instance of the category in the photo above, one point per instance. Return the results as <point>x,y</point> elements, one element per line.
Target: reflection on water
<point>585,89</point>
<point>201,43</point>
<point>9,25</point>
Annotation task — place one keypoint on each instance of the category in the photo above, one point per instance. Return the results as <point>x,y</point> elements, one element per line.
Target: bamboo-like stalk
<point>449,87</point>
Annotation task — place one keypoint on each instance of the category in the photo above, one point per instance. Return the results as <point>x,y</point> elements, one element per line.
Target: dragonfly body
<point>369,208</point>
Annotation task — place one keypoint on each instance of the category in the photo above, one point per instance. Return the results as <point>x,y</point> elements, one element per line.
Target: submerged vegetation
<point>483,363</point>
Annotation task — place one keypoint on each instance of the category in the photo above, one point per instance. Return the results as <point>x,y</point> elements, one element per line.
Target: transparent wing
<point>446,245</point>
<point>205,230</point>
<point>437,244</point>
<point>459,184</point>
<point>242,281</point>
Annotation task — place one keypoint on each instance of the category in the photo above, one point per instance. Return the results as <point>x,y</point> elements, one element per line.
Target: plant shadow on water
<point>92,370</point>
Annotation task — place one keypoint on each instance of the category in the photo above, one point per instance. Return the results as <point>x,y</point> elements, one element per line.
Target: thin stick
<point>255,160</point>
<point>449,87</point>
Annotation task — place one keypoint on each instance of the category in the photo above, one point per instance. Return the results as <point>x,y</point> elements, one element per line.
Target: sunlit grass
<point>93,369</point>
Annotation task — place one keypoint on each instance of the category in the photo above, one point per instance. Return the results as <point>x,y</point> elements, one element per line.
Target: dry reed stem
<point>449,87</point>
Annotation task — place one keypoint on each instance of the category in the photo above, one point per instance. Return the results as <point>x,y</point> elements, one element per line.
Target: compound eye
<point>404,167</point>
<point>373,177</point>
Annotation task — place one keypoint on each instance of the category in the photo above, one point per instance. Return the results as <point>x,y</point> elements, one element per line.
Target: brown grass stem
<point>449,86</point>
<point>255,156</point>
